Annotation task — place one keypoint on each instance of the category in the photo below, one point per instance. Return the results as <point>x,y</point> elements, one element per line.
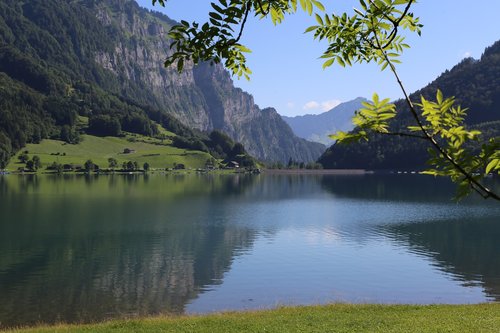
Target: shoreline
<point>316,171</point>
<point>203,171</point>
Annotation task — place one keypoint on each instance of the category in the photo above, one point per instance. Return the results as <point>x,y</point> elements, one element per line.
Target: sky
<point>288,74</point>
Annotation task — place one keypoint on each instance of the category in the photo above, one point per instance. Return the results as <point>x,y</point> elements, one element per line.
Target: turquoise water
<point>80,249</point>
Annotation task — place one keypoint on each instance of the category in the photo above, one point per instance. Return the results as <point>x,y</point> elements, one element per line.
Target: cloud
<point>311,105</point>
<point>467,54</point>
<point>290,105</point>
<point>321,106</point>
<point>328,105</point>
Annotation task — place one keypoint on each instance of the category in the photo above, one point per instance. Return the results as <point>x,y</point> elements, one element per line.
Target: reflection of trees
<point>397,187</point>
<point>90,255</point>
<point>466,249</point>
<point>463,241</point>
<point>284,187</point>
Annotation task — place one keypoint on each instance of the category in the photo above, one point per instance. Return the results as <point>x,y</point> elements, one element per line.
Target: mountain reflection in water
<point>89,248</point>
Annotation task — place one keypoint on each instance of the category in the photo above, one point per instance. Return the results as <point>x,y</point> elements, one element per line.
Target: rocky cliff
<point>202,97</point>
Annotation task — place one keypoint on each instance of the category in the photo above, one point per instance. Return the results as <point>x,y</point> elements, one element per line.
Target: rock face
<point>202,97</point>
<point>317,128</point>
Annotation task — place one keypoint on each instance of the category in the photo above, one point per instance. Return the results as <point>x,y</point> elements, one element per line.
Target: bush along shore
<point>326,318</point>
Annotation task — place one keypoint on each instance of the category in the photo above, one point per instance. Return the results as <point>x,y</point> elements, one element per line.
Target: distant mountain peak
<point>318,127</point>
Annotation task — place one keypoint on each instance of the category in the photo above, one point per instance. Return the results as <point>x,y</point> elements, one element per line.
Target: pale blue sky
<point>287,73</point>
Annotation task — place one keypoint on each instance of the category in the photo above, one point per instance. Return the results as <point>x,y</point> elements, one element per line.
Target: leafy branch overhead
<point>442,122</point>
<point>218,39</point>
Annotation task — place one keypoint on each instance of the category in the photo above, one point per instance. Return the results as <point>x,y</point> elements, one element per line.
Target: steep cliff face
<point>202,97</point>
<point>140,47</point>
<point>263,132</point>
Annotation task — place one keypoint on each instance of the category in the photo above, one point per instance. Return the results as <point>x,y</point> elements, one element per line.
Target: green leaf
<point>328,63</point>
<point>180,64</point>
<point>217,8</point>
<point>311,28</point>
<point>341,61</point>
<point>242,48</point>
<point>216,16</point>
<point>319,19</point>
<point>493,165</point>
<point>318,5</point>
<point>439,97</point>
<point>303,5</point>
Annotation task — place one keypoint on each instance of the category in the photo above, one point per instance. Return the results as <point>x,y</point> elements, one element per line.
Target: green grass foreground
<point>328,318</point>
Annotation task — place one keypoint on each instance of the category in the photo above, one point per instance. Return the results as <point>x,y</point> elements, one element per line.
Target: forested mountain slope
<point>104,59</point>
<point>474,83</point>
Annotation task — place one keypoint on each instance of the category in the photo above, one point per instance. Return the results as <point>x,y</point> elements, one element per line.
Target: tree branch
<point>395,23</point>
<point>247,11</point>
<point>474,183</point>
<point>403,134</point>
<point>261,9</point>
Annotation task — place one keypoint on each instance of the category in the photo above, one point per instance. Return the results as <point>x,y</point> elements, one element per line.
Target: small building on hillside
<point>128,151</point>
<point>179,166</point>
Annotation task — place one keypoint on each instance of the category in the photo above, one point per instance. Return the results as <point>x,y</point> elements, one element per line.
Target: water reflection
<point>111,247</point>
<point>87,248</point>
<point>466,249</point>
<point>400,187</point>
<point>460,238</point>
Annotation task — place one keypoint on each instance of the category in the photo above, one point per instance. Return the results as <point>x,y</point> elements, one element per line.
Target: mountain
<point>317,128</point>
<point>61,59</point>
<point>476,86</point>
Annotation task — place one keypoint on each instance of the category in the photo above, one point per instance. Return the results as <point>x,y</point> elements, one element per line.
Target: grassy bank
<point>100,149</point>
<point>330,318</point>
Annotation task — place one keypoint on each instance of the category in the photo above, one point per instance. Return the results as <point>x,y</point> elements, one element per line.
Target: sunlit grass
<point>156,153</point>
<point>329,318</point>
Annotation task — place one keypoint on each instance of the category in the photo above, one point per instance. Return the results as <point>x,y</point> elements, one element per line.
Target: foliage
<point>130,166</point>
<point>57,167</point>
<point>36,162</point>
<point>69,134</point>
<point>24,157</point>
<point>89,166</point>
<point>32,164</point>
<point>112,163</point>
<point>5,150</point>
<point>443,122</point>
<point>218,39</point>
<point>104,125</point>
<point>349,36</point>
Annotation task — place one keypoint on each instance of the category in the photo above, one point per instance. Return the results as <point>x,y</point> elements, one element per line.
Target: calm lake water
<point>79,249</point>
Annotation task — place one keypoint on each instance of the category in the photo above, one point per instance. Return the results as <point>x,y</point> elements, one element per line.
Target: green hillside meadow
<point>158,154</point>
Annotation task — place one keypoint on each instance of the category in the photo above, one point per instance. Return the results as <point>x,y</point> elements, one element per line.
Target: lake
<point>90,248</point>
